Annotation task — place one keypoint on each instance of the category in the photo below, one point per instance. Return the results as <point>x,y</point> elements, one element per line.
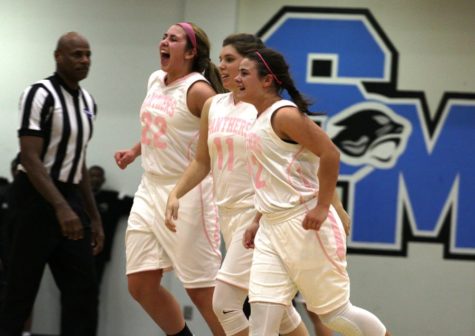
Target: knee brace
<point>350,320</point>
<point>290,320</point>
<point>227,306</point>
<point>266,318</point>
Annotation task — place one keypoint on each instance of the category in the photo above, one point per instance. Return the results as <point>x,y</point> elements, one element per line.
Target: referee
<point>54,217</point>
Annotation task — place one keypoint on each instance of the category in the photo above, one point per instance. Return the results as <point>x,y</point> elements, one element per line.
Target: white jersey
<point>169,130</point>
<point>284,174</point>
<point>228,124</point>
<point>169,137</point>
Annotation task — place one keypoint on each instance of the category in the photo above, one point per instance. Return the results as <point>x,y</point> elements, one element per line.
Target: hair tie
<point>268,68</point>
<point>188,28</point>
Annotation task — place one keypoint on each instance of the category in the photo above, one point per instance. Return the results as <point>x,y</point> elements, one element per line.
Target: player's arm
<point>198,169</point>
<point>124,157</point>
<point>197,96</point>
<point>290,124</point>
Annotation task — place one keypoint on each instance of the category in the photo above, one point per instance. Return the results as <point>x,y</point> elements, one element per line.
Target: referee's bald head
<point>73,58</point>
<point>66,39</point>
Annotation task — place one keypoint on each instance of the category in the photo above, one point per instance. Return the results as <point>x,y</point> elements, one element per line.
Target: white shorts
<point>193,251</point>
<point>288,259</point>
<point>236,267</point>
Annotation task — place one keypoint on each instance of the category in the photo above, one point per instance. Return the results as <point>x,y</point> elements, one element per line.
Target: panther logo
<point>369,134</point>
<point>395,151</point>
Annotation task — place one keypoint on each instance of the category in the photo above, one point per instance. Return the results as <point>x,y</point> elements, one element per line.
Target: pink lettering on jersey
<point>215,125</point>
<point>253,142</point>
<point>154,129</point>
<point>232,125</point>
<point>236,126</point>
<point>254,147</point>
<point>228,143</point>
<point>259,182</point>
<point>157,102</point>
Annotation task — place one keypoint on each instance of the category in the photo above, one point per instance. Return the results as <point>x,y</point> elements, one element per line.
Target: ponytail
<point>302,102</point>
<point>211,73</point>
<point>202,63</point>
<point>272,62</point>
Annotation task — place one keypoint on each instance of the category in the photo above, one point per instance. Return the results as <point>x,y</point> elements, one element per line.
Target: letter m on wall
<point>406,174</point>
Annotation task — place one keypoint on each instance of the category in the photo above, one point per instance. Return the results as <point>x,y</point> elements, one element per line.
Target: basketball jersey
<point>228,124</point>
<point>284,174</point>
<point>169,130</point>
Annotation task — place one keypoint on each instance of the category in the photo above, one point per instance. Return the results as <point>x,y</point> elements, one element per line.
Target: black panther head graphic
<point>370,134</point>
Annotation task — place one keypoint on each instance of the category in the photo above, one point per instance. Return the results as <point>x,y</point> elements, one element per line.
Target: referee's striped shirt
<point>63,118</point>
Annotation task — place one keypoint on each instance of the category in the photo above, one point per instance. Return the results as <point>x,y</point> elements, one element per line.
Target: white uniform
<point>288,258</point>
<point>228,124</point>
<point>169,136</point>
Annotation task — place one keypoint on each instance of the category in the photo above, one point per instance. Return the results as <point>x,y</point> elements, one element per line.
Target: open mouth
<point>164,56</point>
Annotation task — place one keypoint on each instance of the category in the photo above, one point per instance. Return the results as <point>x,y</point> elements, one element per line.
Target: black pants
<point>37,241</point>
<point>100,262</point>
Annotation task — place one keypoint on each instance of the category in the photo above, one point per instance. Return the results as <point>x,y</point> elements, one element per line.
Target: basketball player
<point>300,240</point>
<point>170,118</point>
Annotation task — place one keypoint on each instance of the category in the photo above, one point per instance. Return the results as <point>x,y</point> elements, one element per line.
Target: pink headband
<point>188,28</point>
<point>268,68</point>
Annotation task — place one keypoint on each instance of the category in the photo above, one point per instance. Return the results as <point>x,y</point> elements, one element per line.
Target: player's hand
<point>314,218</point>
<point>124,157</point>
<point>171,211</point>
<point>249,235</point>
<point>70,224</point>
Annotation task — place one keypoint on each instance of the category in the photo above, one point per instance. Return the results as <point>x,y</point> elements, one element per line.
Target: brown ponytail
<point>202,62</point>
<point>272,62</point>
